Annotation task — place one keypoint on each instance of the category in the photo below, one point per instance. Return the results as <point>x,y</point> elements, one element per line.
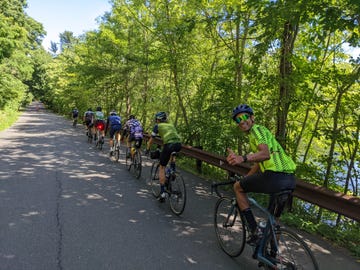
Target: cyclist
<point>88,119</point>
<point>134,130</point>
<point>75,115</point>
<point>171,143</point>
<point>99,123</point>
<point>114,122</point>
<point>273,170</point>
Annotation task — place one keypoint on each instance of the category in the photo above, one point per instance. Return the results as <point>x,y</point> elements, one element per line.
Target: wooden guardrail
<point>348,206</point>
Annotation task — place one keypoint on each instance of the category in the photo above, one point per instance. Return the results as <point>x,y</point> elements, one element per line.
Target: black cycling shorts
<point>166,152</point>
<point>268,182</point>
<point>114,129</point>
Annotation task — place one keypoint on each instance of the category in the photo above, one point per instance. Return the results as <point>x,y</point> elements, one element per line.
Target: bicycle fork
<point>232,215</point>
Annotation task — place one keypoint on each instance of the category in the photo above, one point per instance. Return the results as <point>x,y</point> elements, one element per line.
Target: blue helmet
<point>161,116</point>
<point>242,108</point>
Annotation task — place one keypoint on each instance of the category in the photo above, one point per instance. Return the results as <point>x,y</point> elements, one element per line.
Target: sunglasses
<point>241,118</point>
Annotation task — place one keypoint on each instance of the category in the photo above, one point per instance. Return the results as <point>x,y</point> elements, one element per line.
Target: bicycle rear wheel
<point>293,252</point>
<point>116,150</point>
<point>229,227</point>
<point>137,164</point>
<point>154,179</point>
<point>89,137</point>
<point>128,160</point>
<point>177,194</point>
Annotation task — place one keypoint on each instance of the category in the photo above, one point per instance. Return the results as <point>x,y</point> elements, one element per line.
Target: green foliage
<point>197,60</point>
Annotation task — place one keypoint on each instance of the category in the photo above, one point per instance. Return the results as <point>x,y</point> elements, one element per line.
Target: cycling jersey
<point>88,115</point>
<point>99,115</point>
<point>75,113</point>
<point>167,132</point>
<point>114,120</point>
<point>134,128</point>
<point>279,161</point>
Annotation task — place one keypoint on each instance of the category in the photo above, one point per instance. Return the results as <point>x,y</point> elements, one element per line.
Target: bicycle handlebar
<point>233,179</point>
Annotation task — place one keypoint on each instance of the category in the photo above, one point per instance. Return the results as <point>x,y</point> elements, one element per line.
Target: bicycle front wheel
<point>229,227</point>
<point>154,179</point>
<point>137,164</point>
<point>292,252</point>
<point>177,194</point>
<point>128,160</point>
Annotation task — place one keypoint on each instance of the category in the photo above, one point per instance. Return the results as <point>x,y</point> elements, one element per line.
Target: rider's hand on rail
<point>234,159</point>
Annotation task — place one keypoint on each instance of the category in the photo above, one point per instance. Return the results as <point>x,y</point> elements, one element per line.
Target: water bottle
<point>262,225</point>
<point>132,151</point>
<point>167,172</point>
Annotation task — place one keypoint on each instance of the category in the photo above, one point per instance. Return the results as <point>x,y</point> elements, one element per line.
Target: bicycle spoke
<point>154,179</point>
<point>229,227</point>
<point>293,253</point>
<point>137,164</point>
<point>177,194</point>
<point>128,160</point>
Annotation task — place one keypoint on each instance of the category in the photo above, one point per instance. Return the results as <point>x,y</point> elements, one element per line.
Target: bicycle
<point>133,160</point>
<point>116,147</point>
<point>174,185</point>
<point>98,138</point>
<point>75,122</point>
<point>277,248</point>
<point>89,135</point>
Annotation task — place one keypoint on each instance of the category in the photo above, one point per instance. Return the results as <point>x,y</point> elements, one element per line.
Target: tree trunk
<point>286,88</point>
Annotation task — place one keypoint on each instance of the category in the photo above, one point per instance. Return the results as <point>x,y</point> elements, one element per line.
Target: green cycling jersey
<point>279,161</point>
<point>167,132</point>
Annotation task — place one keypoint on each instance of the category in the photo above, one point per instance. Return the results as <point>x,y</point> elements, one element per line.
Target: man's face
<point>244,121</point>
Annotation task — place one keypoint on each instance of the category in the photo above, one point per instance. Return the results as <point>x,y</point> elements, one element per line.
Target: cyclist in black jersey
<point>273,170</point>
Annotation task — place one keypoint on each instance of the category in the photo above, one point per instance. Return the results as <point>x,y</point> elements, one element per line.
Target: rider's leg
<point>244,206</point>
<point>162,178</point>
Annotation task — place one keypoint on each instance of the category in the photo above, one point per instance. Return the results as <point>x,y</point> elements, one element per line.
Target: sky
<point>79,16</point>
<point>57,16</point>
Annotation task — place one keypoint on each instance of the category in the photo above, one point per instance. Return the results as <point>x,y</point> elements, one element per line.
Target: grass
<point>7,118</point>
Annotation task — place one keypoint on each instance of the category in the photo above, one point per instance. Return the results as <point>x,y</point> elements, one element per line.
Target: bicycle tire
<point>293,252</point>
<point>154,179</point>
<point>177,191</point>
<point>89,137</point>
<point>229,227</point>
<point>137,164</point>
<point>116,151</point>
<point>128,160</point>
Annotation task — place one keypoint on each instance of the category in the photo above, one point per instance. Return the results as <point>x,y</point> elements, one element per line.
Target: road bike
<point>116,147</point>
<point>89,135</point>
<point>75,122</point>
<point>174,184</point>
<point>98,138</point>
<point>277,248</point>
<point>133,160</point>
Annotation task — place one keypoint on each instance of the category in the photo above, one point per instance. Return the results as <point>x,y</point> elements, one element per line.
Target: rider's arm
<point>255,168</point>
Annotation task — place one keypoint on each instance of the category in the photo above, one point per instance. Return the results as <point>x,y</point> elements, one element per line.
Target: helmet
<point>89,110</point>
<point>113,112</point>
<point>98,109</point>
<point>161,116</point>
<point>242,108</point>
<point>131,116</point>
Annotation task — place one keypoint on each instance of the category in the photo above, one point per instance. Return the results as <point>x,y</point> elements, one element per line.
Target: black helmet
<point>242,108</point>
<point>161,116</point>
<point>113,112</point>
<point>89,110</point>
<point>131,116</point>
<point>98,109</point>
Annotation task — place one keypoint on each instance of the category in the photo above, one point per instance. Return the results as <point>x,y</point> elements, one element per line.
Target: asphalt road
<point>64,205</point>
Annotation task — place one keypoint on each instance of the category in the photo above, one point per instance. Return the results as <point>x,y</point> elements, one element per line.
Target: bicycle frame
<point>268,232</point>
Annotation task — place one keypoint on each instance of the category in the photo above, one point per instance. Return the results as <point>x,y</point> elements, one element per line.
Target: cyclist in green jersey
<point>171,143</point>
<point>273,170</point>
